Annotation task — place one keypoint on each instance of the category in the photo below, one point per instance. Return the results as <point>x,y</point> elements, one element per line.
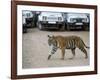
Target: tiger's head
<point>51,40</point>
<point>51,43</point>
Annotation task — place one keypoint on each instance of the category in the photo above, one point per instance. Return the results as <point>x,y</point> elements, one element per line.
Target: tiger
<point>66,42</point>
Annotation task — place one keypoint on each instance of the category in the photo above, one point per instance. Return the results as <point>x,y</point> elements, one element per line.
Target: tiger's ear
<point>49,36</point>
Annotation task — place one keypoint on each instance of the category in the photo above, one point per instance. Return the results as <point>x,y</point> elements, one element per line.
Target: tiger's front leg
<point>54,49</point>
<point>63,53</point>
<point>73,52</point>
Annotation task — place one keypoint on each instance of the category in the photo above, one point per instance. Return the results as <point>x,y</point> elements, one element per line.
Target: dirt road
<point>35,50</point>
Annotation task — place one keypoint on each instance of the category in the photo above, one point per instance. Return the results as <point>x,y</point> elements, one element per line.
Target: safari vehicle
<point>77,21</point>
<point>27,20</point>
<point>50,20</point>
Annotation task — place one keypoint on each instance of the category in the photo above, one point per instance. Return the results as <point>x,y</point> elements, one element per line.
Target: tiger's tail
<point>85,45</point>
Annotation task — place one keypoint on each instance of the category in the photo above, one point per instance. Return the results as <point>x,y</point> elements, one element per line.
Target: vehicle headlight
<point>84,20</point>
<point>72,20</point>
<point>59,18</point>
<point>28,15</point>
<point>44,17</point>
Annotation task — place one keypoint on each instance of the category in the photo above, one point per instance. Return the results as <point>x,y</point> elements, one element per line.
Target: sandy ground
<point>35,50</point>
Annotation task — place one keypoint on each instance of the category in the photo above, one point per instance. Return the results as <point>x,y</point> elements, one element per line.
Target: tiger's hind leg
<point>84,51</point>
<point>73,52</point>
<point>63,53</point>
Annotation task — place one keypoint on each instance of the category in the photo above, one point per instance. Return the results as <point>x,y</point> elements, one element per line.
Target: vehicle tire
<point>24,29</point>
<point>40,26</point>
<point>68,27</point>
<point>62,28</point>
<point>86,28</point>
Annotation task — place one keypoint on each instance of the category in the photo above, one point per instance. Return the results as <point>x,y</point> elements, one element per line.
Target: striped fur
<point>68,42</point>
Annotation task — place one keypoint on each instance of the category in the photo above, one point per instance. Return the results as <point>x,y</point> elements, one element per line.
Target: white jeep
<point>27,19</point>
<point>77,21</point>
<point>50,20</point>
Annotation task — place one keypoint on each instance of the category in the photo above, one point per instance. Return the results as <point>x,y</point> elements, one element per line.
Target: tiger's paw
<point>62,58</point>
<point>71,58</point>
<point>49,57</point>
<point>86,57</point>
